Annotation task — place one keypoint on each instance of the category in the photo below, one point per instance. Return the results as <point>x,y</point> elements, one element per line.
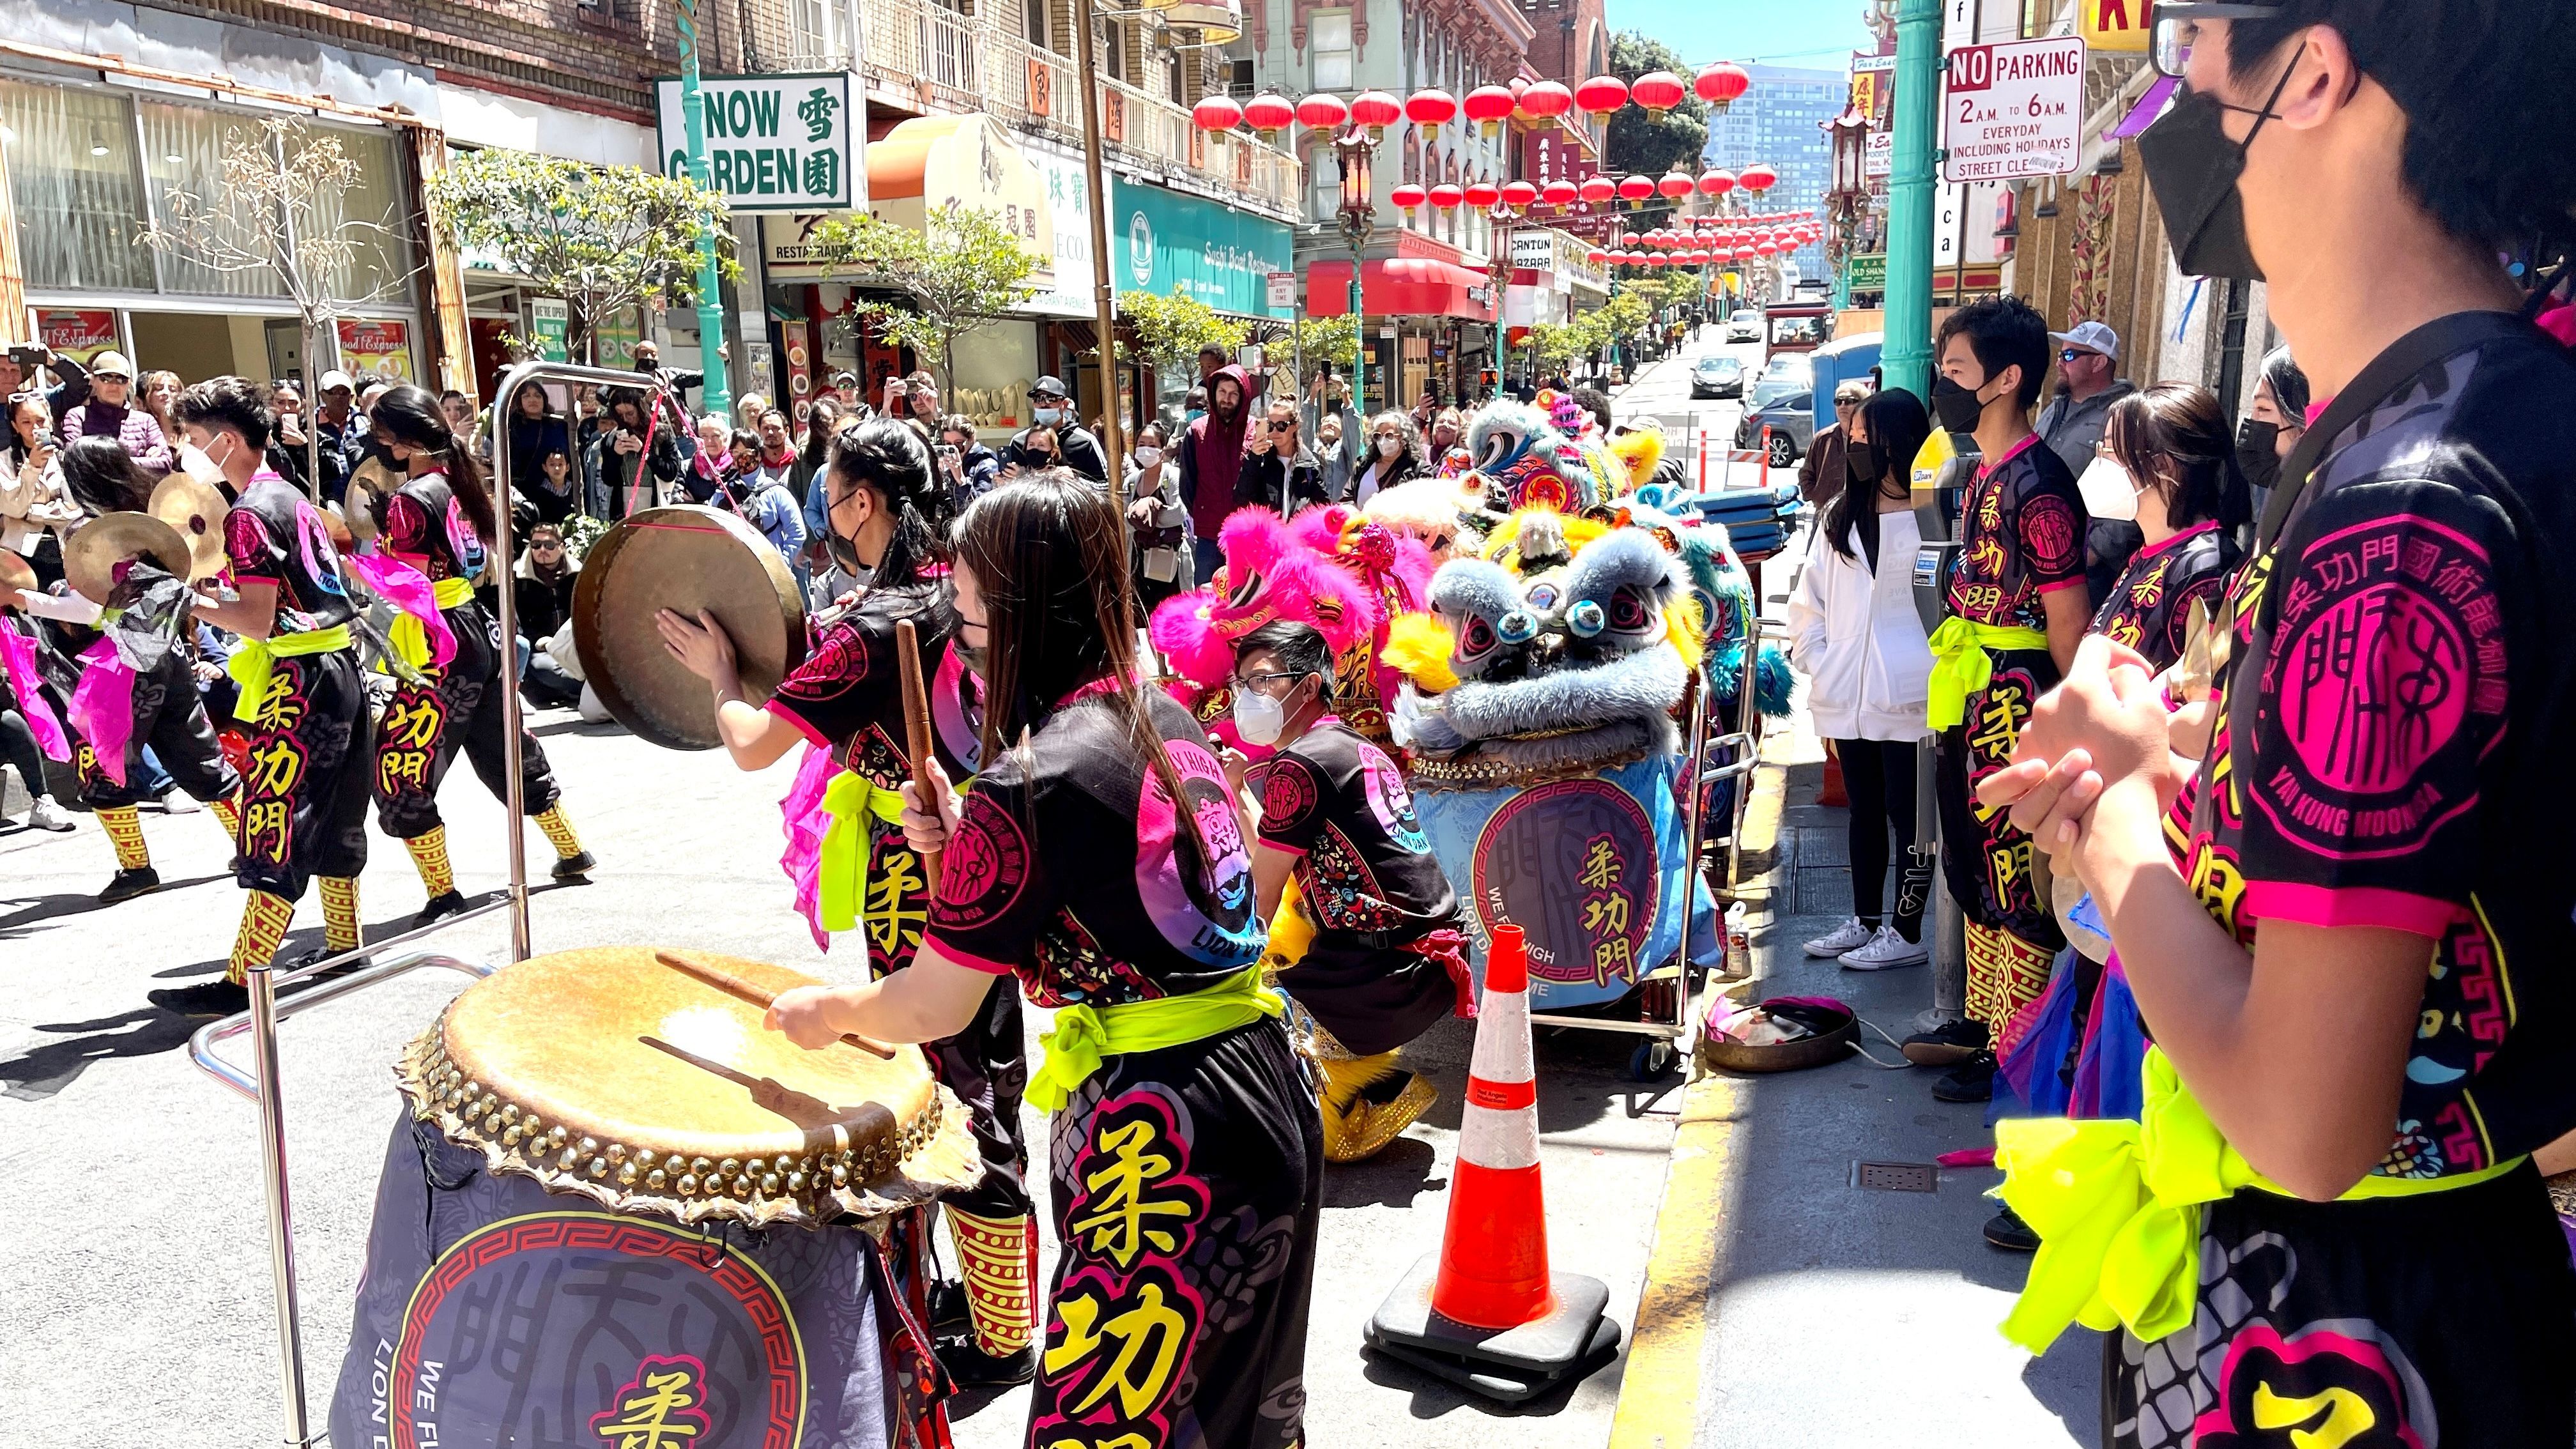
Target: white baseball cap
<point>2092,336</point>
<point>335,378</point>
<point>113,364</point>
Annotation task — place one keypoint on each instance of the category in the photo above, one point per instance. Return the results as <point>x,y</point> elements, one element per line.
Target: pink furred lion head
<point>1271,572</point>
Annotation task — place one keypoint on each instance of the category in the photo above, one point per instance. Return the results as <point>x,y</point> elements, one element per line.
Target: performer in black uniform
<point>437,522</point>
<point>302,708</point>
<point>1096,858</point>
<point>1364,930</point>
<point>846,700</point>
<point>2168,451</point>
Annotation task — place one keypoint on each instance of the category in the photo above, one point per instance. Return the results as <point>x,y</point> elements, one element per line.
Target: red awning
<point>1401,287</point>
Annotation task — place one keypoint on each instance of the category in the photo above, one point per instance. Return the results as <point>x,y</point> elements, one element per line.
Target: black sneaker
<point>973,1368</point>
<point>2007,1231</point>
<point>218,997</point>
<point>950,1317</point>
<point>1946,1045</point>
<point>140,881</point>
<point>574,867</point>
<point>1972,1080</point>
<point>440,907</point>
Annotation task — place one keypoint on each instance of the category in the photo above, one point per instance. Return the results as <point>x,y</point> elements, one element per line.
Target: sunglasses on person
<point>546,545</point>
<point>2176,26</point>
<point>1283,427</point>
<point>2076,354</point>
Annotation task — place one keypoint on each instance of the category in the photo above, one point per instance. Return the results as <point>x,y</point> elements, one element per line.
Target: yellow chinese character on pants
<point>1123,1221</point>
<point>275,769</point>
<point>658,1411</point>
<point>1150,1335</point>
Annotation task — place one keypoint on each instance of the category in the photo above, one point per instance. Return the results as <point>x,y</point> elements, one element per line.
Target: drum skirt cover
<point>491,1312</point>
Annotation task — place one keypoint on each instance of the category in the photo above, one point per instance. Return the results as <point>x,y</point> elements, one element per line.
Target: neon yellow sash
<point>2116,1205</point>
<point>1962,667</point>
<point>1084,1035</point>
<point>254,663</point>
<point>841,880</point>
<point>410,637</point>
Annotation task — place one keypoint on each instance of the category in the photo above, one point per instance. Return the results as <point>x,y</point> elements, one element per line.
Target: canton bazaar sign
<point>2013,109</point>
<point>781,143</point>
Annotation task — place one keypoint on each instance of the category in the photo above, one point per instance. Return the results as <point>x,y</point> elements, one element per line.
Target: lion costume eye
<point>1631,611</point>
<point>1247,591</point>
<point>1585,619</point>
<point>1476,640</point>
<point>1519,627</point>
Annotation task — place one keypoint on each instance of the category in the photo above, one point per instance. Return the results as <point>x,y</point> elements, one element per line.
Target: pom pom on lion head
<point>1640,451</point>
<point>1427,510</point>
<point>1271,573</point>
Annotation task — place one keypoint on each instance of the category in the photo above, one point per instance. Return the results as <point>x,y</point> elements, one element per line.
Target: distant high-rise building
<point>1779,121</point>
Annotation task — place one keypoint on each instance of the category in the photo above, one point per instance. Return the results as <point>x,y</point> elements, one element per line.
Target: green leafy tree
<point>961,271</point>
<point>605,239</point>
<point>1170,331</point>
<point>1643,144</point>
<point>1559,344</point>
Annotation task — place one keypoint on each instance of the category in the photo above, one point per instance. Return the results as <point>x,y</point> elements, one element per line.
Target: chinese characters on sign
<point>2012,110</point>
<point>774,142</point>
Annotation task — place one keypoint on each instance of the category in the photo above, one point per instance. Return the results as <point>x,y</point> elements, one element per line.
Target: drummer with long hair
<point>846,700</point>
<point>1097,859</point>
<point>439,521</point>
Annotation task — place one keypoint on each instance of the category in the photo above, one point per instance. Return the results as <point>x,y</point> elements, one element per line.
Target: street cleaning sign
<point>2012,109</point>
<point>780,143</point>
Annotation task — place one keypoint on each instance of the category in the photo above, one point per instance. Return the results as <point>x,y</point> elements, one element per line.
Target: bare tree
<point>279,204</point>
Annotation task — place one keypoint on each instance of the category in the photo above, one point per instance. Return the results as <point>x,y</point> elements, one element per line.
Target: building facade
<point>1781,121</point>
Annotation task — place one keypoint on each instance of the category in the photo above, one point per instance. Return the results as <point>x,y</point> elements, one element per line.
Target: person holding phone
<point>35,511</point>
<point>1279,471</point>
<point>965,465</point>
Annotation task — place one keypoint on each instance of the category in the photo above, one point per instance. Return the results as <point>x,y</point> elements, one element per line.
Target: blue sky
<point>1780,32</point>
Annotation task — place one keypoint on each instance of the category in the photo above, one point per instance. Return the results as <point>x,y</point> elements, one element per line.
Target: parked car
<point>1789,410</point>
<point>1717,376</point>
<point>1744,327</point>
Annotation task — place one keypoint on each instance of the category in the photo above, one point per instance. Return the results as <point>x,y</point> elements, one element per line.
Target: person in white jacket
<point>1855,634</point>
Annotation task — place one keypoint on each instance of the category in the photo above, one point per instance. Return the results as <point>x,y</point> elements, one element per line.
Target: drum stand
<point>260,1083</point>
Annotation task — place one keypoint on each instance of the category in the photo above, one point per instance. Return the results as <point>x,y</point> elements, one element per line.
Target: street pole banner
<point>2013,109</point>
<point>774,142</point>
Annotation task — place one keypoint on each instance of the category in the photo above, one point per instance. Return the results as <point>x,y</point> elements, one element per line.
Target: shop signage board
<point>1878,156</point>
<point>375,349</point>
<point>2122,25</point>
<point>1168,241</point>
<point>1867,272</point>
<point>550,318</point>
<point>79,333</point>
<point>2013,109</point>
<point>1065,283</point>
<point>774,142</point>
<point>1533,251</point>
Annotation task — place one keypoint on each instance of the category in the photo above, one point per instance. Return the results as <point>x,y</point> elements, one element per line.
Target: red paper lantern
<point>1674,186</point>
<point>1598,190</point>
<point>1430,108</point>
<point>1757,178</point>
<point>1216,113</point>
<point>1546,101</point>
<point>1406,198</point>
<point>1601,95</point>
<point>1320,112</point>
<point>1376,110</point>
<point>1766,251</point>
<point>1520,195</point>
<point>1658,91</point>
<point>1446,197</point>
<point>1489,107</point>
<point>1559,193</point>
<point>1700,258</point>
<point>1720,84</point>
<point>1716,183</point>
<point>1635,189</point>
<point>1269,113</point>
<point>1482,194</point>
<point>1596,256</point>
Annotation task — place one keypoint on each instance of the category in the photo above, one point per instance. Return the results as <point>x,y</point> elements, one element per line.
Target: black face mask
<point>969,656</point>
<point>2255,457</point>
<point>2193,168</point>
<point>845,554</point>
<point>1958,408</point>
<point>1866,464</point>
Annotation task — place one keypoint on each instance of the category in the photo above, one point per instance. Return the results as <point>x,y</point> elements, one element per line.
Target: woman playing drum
<point>438,521</point>
<point>1097,859</point>
<point>847,700</point>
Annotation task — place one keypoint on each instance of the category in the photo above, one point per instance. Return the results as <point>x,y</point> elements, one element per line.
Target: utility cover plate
<point>1895,1176</point>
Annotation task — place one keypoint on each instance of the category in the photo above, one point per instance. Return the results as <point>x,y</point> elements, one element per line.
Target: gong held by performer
<point>1097,859</point>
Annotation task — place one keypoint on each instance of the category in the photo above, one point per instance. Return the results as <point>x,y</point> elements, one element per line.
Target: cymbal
<point>369,486</point>
<point>15,574</point>
<point>98,546</point>
<point>196,511</point>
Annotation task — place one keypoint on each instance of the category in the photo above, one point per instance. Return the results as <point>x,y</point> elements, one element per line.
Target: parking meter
<point>1941,475</point>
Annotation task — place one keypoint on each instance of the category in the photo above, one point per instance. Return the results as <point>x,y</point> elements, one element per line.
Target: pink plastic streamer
<point>18,658</point>
<point>102,708</point>
<point>407,589</point>
<point>805,822</point>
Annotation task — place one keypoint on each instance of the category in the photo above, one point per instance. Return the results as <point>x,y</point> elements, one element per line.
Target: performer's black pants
<point>458,708</point>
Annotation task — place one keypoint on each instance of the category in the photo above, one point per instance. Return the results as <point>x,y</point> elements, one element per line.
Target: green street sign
<point>1868,273</point>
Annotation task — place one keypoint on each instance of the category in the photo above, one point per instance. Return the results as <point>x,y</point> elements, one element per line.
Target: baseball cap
<point>2094,336</point>
<point>336,381</point>
<point>113,364</point>
<point>1048,387</point>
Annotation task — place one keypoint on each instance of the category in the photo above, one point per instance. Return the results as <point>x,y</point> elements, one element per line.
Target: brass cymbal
<point>15,574</point>
<point>196,511</point>
<point>98,546</point>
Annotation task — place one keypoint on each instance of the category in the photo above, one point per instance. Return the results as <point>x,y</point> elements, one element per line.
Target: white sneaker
<point>1884,950</point>
<point>179,802</point>
<point>49,816</point>
<point>1851,933</point>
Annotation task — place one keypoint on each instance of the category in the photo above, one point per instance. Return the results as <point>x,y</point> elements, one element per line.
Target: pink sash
<point>407,589</point>
<point>102,708</point>
<point>805,822</point>
<point>18,659</point>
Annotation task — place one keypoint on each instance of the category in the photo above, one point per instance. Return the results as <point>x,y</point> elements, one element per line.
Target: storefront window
<point>72,176</point>
<point>183,151</point>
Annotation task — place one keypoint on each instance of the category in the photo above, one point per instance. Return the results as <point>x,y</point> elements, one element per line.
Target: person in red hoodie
<point>1212,465</point>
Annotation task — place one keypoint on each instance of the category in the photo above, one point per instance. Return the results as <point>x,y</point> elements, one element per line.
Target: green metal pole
<point>1908,353</point>
<point>1359,345</point>
<point>718,396</point>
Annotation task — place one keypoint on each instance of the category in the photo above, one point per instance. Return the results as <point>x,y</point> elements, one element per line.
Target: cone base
<point>1573,1339</point>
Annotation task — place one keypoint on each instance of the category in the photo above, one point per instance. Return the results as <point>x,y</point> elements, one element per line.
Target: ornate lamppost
<point>1359,222</point>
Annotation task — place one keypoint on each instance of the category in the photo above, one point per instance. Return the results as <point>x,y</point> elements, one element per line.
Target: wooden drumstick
<point>745,992</point>
<point>916,730</point>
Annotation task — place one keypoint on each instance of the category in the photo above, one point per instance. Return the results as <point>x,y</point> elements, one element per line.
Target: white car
<point>1744,327</point>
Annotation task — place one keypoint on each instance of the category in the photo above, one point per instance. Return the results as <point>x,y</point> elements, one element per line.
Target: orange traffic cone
<point>1485,1312</point>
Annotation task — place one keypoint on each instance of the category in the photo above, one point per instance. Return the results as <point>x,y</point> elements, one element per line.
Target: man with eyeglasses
<point>2348,923</point>
<point>1279,471</point>
<point>2088,357</point>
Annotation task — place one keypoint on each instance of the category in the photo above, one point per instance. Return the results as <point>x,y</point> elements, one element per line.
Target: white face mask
<point>2107,491</point>
<point>1148,456</point>
<point>1389,447</point>
<point>1258,717</point>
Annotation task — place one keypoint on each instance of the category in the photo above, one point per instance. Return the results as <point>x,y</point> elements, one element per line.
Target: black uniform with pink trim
<point>2149,610</point>
<point>2396,749</point>
<point>1186,1180</point>
<point>305,773</point>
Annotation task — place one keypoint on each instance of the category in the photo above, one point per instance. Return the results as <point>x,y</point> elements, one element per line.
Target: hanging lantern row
<point>1543,102</point>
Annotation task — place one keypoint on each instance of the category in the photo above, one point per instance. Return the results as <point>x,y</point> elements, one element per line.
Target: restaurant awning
<point>1401,287</point>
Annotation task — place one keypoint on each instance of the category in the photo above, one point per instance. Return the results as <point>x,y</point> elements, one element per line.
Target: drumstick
<point>916,729</point>
<point>745,992</point>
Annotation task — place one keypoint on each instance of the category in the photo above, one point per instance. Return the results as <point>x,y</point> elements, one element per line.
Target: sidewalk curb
<point>1659,1391</point>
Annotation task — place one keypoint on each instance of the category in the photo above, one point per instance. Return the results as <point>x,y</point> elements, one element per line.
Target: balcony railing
<point>939,60</point>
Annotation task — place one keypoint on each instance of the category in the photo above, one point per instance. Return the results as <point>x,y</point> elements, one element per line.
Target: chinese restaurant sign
<point>774,142</point>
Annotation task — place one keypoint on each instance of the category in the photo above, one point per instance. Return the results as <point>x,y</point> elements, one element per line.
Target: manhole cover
<point>1894,1176</point>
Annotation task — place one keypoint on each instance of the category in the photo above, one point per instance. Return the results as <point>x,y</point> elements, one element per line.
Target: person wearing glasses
<point>2348,922</point>
<point>1279,471</point>
<point>2088,356</point>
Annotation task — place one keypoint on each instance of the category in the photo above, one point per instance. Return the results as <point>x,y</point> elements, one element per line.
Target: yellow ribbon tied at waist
<point>254,663</point>
<point>2117,1208</point>
<point>841,877</point>
<point>1961,665</point>
<point>1085,1035</point>
<point>410,637</point>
